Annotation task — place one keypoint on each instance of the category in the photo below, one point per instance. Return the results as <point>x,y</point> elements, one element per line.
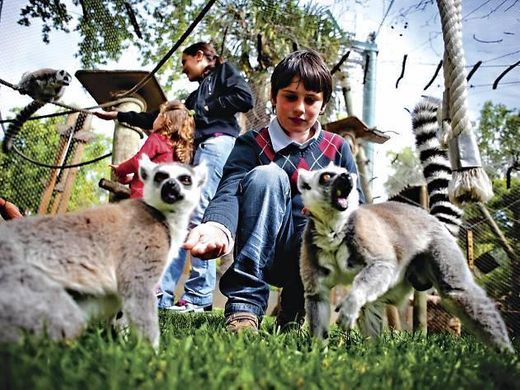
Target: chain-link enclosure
<point>59,159</point>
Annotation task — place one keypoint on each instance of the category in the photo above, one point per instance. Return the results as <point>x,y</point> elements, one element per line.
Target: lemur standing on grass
<point>386,249</point>
<point>57,272</point>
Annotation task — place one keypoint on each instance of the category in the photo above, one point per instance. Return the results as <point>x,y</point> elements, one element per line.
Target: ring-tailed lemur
<point>44,86</point>
<point>57,272</point>
<point>383,249</point>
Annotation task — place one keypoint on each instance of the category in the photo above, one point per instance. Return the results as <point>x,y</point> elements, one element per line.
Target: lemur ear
<point>146,167</point>
<point>201,172</point>
<point>304,178</point>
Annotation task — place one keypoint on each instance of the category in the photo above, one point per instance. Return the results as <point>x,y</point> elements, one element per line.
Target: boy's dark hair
<point>309,67</point>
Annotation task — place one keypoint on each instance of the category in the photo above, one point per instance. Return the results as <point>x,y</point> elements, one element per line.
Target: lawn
<point>197,353</point>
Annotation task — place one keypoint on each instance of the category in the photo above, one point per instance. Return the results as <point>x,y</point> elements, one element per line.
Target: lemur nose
<point>171,191</point>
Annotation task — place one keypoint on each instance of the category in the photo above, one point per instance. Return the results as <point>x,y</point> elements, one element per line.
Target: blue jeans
<point>267,246</point>
<point>200,284</point>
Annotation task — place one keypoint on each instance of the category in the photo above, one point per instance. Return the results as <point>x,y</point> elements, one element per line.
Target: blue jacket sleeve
<point>143,120</point>
<point>223,208</point>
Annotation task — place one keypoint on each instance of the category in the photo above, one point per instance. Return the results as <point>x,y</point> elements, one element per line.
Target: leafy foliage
<point>407,171</point>
<point>253,34</point>
<point>23,182</point>
<point>498,137</point>
<point>103,26</point>
<point>501,283</point>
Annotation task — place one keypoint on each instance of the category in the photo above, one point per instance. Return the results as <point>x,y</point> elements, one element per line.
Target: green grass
<point>196,352</point>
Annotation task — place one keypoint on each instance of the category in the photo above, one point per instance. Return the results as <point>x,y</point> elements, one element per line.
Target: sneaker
<point>183,306</point>
<point>240,321</point>
<point>158,292</point>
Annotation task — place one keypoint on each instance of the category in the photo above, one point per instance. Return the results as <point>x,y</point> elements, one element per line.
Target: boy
<point>257,207</point>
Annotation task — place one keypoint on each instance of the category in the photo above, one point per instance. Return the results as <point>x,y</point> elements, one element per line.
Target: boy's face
<point>297,109</point>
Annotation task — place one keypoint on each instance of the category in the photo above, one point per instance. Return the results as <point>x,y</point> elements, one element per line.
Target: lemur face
<point>326,188</point>
<point>170,186</point>
<point>63,77</point>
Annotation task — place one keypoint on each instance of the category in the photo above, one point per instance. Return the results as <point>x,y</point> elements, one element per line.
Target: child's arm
<point>207,240</point>
<point>106,115</point>
<point>143,120</point>
<point>131,166</point>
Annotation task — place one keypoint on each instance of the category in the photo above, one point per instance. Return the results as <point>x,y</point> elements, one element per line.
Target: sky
<point>491,32</point>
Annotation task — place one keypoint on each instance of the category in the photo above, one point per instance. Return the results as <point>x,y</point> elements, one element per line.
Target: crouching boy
<point>257,209</point>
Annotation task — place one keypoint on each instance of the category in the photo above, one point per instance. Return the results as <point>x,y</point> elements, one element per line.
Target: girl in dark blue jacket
<point>222,93</point>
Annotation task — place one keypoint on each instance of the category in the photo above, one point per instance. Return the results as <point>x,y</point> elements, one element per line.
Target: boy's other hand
<point>207,242</point>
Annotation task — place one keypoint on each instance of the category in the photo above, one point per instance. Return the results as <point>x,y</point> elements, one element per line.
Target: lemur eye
<point>185,180</point>
<point>159,177</point>
<point>325,177</point>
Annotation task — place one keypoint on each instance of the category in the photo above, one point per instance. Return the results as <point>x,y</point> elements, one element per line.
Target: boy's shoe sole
<point>190,308</point>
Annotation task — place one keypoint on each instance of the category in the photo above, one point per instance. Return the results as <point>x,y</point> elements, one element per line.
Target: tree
<point>254,34</point>
<point>407,171</point>
<point>103,26</point>
<point>498,138</point>
<point>23,182</point>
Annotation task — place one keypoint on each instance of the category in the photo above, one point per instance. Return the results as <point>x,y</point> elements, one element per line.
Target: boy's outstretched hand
<point>207,242</point>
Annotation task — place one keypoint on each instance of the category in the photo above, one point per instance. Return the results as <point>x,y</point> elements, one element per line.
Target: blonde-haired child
<point>171,139</point>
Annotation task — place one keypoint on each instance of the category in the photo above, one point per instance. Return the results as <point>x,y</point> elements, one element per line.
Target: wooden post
<point>65,131</point>
<point>80,139</point>
<point>420,315</point>
<point>126,141</point>
<point>470,256</point>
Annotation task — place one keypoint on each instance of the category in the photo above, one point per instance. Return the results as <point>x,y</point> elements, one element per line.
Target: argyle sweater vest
<point>318,154</point>
<point>253,149</point>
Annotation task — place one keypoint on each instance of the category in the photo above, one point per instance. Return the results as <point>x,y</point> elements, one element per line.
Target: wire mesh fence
<point>490,236</point>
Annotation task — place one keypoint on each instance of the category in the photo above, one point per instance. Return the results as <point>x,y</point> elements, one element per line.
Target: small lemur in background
<point>44,86</point>
<point>384,250</point>
<point>58,272</point>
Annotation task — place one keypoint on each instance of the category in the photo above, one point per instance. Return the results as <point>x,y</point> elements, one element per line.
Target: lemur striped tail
<point>19,120</point>
<point>435,163</point>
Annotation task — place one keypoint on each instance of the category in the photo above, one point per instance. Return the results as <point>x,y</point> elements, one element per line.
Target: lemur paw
<point>348,314</point>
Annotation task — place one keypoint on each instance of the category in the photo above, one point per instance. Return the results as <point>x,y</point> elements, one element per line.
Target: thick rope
<point>470,182</point>
<point>455,83</point>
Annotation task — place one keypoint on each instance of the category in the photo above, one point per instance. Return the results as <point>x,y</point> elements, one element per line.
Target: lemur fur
<point>382,250</point>
<point>58,272</point>
<point>44,86</point>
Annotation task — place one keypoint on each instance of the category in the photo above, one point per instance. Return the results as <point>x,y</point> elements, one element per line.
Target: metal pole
<point>369,49</point>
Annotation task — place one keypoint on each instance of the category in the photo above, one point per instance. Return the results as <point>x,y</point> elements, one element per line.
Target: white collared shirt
<point>280,140</point>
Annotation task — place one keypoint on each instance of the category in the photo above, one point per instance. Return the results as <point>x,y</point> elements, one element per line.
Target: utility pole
<point>369,50</point>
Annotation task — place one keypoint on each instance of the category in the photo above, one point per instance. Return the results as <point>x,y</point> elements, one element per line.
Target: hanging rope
<point>455,84</point>
<point>177,44</point>
<point>470,182</point>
